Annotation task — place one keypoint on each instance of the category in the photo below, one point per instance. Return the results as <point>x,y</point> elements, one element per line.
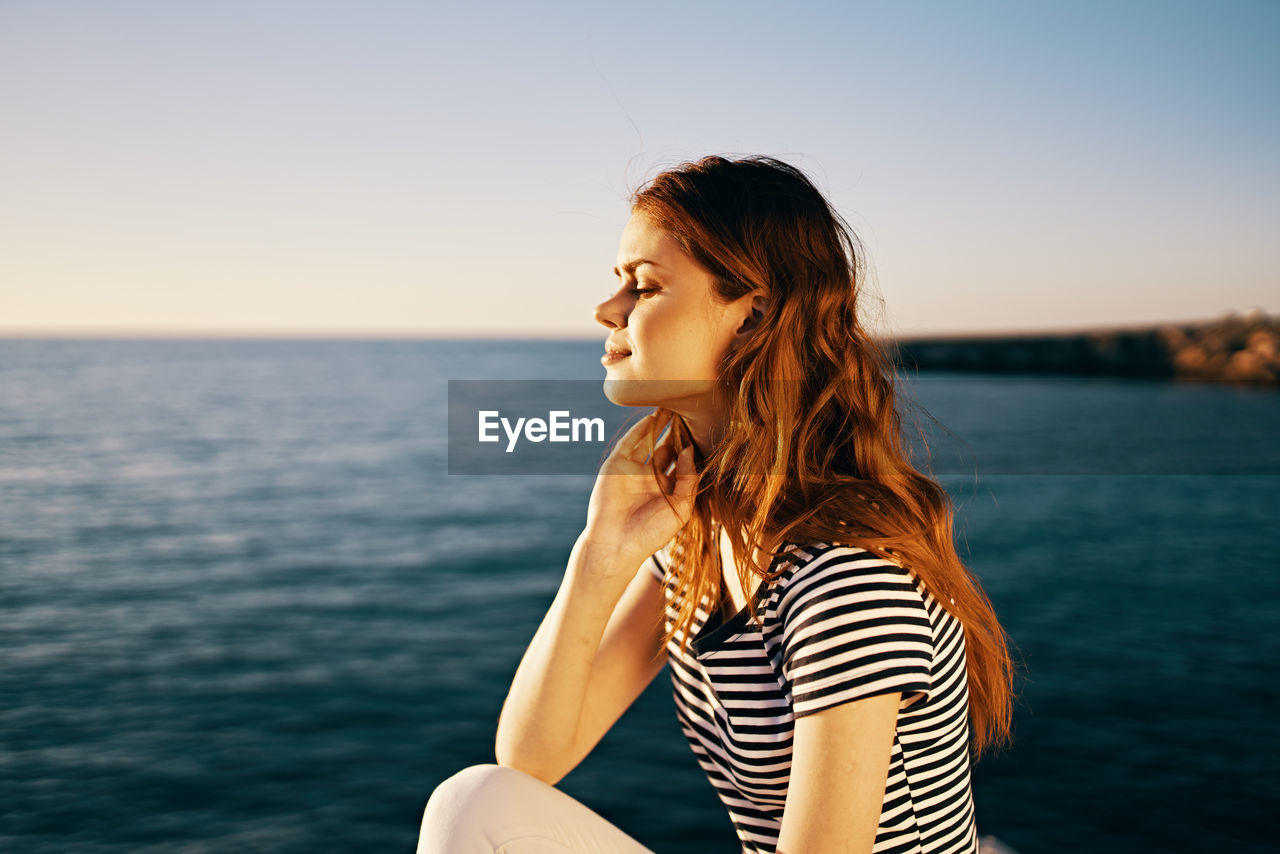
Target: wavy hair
<point>822,457</point>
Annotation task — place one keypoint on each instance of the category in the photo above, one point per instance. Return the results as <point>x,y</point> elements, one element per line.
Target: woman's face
<point>665,316</point>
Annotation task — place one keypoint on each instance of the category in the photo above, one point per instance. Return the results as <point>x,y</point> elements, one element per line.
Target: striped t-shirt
<point>841,623</point>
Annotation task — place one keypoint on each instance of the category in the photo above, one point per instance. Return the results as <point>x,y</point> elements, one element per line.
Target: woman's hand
<point>629,511</point>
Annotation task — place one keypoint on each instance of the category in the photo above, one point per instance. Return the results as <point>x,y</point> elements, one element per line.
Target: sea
<point>245,606</point>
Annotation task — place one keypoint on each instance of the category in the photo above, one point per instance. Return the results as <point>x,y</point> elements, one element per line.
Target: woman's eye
<point>641,292</point>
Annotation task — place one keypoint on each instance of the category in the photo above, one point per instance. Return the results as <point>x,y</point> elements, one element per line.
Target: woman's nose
<point>611,313</point>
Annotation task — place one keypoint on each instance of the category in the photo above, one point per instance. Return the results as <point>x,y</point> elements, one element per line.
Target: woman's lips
<point>612,356</point>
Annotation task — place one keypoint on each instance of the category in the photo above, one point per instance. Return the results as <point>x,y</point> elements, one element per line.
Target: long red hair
<point>822,456</point>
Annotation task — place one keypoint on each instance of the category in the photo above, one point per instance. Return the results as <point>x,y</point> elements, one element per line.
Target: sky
<point>413,169</point>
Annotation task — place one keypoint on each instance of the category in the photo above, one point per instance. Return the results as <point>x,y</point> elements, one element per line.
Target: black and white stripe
<point>839,624</point>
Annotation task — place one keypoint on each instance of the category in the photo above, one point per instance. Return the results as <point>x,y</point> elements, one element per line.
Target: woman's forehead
<point>642,243</point>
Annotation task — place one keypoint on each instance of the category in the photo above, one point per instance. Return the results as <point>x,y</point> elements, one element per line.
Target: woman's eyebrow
<point>630,266</point>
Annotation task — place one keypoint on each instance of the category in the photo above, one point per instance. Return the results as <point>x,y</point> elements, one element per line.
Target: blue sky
<point>396,168</point>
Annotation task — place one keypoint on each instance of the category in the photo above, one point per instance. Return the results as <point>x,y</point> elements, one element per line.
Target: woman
<point>835,666</point>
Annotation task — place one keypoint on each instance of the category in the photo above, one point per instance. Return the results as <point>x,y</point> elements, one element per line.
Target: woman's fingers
<point>636,442</point>
<point>685,473</point>
<point>663,456</point>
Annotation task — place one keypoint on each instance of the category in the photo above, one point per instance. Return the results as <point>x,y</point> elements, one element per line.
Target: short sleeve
<point>853,625</point>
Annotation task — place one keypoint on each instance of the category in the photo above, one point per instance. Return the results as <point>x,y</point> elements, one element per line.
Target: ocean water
<point>243,607</point>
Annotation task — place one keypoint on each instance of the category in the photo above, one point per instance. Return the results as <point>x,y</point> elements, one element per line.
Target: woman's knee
<point>472,796</point>
<point>449,819</point>
<point>472,782</point>
<point>486,808</point>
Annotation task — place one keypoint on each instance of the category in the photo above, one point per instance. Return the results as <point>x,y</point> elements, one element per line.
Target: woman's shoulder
<point>800,559</point>
<point>824,569</point>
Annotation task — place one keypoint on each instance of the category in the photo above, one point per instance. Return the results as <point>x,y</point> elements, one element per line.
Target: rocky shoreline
<point>1238,347</point>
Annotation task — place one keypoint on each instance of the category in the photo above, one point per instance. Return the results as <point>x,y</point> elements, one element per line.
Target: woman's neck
<point>729,569</point>
<point>705,418</point>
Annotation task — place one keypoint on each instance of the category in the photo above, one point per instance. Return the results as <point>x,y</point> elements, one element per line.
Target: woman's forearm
<point>537,728</point>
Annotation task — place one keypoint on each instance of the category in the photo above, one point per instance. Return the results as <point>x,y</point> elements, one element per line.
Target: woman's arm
<point>586,664</point>
<point>839,770</point>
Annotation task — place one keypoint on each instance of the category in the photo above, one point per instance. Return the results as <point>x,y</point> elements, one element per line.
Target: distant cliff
<point>1237,347</point>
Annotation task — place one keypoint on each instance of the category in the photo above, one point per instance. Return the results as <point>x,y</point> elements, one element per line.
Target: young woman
<point>835,666</point>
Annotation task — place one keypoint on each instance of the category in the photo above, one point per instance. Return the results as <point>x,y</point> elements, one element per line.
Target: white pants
<point>492,809</point>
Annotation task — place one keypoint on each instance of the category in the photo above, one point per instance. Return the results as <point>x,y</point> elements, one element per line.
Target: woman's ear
<point>756,306</point>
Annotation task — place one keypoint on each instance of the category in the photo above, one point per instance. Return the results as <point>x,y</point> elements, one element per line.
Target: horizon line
<point>1253,312</point>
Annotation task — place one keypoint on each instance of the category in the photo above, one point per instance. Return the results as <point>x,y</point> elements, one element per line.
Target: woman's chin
<point>624,391</point>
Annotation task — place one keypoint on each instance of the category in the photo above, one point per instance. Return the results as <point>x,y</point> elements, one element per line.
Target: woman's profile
<point>835,667</point>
